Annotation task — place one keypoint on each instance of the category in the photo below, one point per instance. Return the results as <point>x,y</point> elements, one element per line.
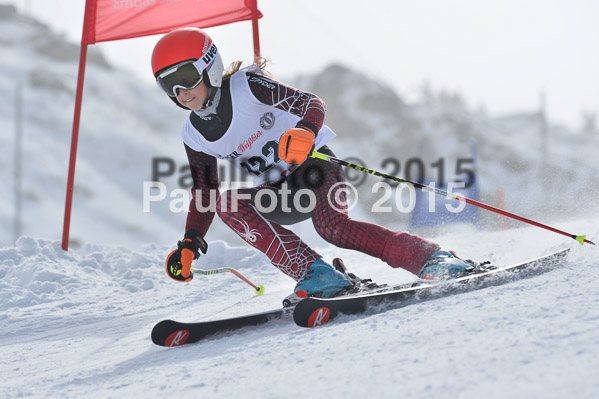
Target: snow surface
<point>77,324</point>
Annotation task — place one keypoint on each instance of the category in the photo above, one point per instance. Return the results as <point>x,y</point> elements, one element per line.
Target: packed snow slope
<point>77,324</point>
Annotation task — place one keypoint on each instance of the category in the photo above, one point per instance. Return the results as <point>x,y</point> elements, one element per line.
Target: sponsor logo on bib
<point>267,121</point>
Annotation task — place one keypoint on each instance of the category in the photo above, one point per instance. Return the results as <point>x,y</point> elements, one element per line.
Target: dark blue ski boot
<point>444,265</point>
<point>321,280</point>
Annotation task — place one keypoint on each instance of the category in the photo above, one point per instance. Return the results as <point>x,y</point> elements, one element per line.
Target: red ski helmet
<point>189,44</point>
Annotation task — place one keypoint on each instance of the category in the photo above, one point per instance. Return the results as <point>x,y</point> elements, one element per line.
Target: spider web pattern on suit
<point>307,106</point>
<point>286,250</point>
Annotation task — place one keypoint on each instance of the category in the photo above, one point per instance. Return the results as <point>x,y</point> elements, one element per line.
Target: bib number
<point>258,165</point>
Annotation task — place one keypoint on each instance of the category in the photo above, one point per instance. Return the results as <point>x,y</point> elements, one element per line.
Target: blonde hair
<point>236,66</point>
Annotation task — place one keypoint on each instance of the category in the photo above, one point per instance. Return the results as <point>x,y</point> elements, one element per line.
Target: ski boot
<point>444,265</point>
<point>360,284</point>
<point>321,280</point>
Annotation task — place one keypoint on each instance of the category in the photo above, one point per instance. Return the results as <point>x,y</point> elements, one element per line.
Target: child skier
<point>269,129</point>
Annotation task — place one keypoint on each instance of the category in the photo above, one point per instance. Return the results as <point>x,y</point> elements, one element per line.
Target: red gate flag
<point>107,20</point>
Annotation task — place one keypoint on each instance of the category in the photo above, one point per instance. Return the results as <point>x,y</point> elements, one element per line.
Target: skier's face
<point>193,99</point>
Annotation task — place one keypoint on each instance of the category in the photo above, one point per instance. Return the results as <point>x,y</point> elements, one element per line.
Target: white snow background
<point>77,324</point>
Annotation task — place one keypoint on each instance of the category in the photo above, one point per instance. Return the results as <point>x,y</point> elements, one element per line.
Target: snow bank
<point>38,271</point>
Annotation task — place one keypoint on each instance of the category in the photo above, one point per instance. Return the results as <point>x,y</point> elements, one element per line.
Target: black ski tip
<point>310,313</point>
<point>169,333</point>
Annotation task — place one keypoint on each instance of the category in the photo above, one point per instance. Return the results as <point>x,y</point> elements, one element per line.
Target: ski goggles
<point>185,75</point>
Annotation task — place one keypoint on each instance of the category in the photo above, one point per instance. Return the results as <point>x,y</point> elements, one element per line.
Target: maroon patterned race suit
<point>264,230</point>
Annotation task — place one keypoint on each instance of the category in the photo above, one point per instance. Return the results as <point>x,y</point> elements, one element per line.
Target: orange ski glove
<point>178,262</point>
<point>295,145</point>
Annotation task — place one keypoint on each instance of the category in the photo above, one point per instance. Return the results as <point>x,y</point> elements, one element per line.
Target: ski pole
<point>258,289</point>
<point>315,154</point>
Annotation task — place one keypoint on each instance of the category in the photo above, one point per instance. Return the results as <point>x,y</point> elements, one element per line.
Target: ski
<point>312,312</point>
<point>171,333</point>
